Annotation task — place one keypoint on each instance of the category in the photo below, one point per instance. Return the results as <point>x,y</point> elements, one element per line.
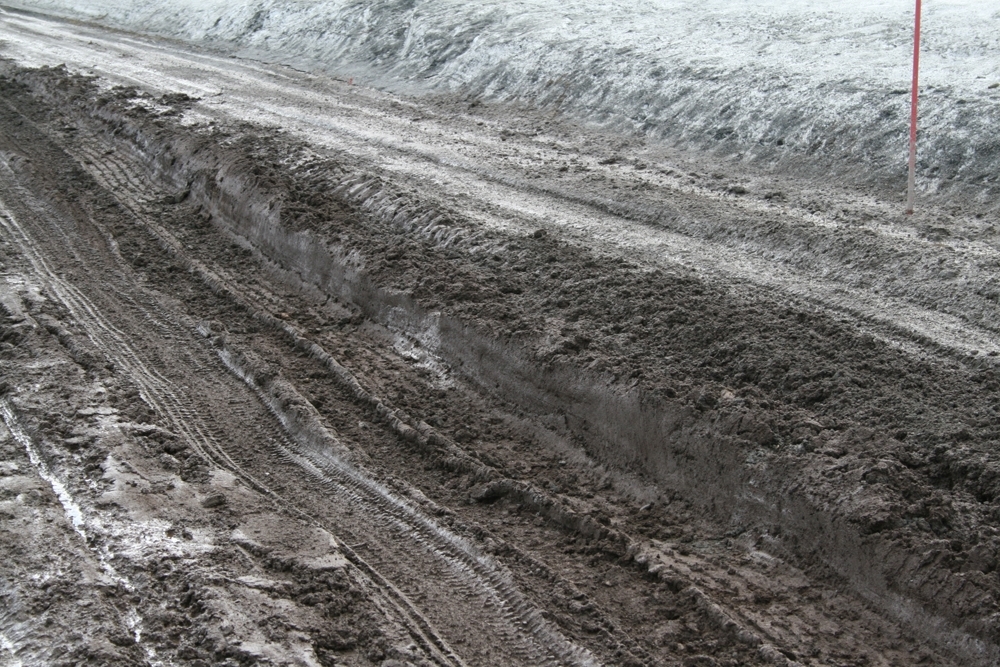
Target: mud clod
<point>218,500</point>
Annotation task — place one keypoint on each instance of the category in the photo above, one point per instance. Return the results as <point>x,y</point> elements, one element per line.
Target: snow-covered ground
<point>798,84</point>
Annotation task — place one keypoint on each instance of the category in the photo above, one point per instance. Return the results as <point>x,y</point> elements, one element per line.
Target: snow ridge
<point>797,84</point>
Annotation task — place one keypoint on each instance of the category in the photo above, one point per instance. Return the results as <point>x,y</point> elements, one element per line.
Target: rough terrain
<point>298,372</point>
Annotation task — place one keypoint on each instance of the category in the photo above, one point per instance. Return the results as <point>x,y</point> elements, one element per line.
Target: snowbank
<point>788,83</point>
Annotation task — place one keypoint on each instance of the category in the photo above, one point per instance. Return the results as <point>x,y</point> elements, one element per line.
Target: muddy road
<point>294,371</point>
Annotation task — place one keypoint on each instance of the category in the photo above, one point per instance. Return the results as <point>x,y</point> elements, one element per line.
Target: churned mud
<point>413,382</point>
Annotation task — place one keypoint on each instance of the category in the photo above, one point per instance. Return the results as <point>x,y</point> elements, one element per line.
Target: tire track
<point>124,160</point>
<point>346,482</point>
<point>362,493</point>
<point>159,394</point>
<point>517,625</point>
<point>467,565</point>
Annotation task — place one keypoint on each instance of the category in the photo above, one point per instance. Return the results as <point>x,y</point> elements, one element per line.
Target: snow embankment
<point>814,86</point>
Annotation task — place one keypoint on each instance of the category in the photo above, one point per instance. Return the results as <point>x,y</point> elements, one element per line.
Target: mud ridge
<point>709,446</point>
<point>295,412</point>
<point>706,458</point>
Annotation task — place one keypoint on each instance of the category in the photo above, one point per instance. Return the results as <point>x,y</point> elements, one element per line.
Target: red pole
<point>913,112</point>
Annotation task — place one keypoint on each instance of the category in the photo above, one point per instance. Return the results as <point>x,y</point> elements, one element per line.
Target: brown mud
<point>264,405</point>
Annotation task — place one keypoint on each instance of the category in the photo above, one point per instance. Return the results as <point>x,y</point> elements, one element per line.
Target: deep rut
<point>469,574</point>
<point>406,545</point>
<point>119,171</point>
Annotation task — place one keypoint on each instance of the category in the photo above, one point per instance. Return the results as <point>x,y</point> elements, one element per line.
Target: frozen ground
<point>807,86</point>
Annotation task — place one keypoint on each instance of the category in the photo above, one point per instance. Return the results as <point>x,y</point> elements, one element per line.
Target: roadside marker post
<point>913,112</point>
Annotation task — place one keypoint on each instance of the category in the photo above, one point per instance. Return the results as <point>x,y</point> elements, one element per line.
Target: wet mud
<point>266,402</point>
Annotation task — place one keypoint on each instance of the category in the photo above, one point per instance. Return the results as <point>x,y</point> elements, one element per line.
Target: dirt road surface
<point>297,372</point>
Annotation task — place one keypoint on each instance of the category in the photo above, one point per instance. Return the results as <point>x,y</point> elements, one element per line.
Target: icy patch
<point>148,539</point>
<point>407,348</point>
<point>10,301</point>
<point>134,623</point>
<point>70,507</point>
<point>223,478</point>
<point>137,535</point>
<point>8,646</point>
<point>141,540</point>
<point>15,290</point>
